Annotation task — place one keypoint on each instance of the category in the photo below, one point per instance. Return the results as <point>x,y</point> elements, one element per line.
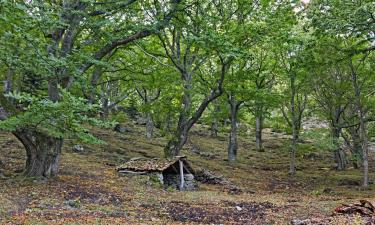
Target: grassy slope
<point>88,190</point>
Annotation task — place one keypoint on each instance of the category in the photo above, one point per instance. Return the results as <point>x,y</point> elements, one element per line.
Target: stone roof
<point>150,165</point>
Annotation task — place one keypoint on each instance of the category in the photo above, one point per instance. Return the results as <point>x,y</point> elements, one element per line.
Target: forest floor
<point>88,190</point>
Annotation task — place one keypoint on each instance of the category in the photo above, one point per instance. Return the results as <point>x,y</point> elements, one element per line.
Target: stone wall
<point>174,181</point>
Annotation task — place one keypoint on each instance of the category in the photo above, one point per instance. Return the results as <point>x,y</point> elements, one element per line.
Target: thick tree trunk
<point>233,143</point>
<point>175,145</point>
<point>43,153</point>
<point>258,133</point>
<point>149,126</point>
<point>339,153</point>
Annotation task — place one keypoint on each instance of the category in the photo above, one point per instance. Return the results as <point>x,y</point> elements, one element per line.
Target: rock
<point>346,182</point>
<point>207,155</point>
<point>328,191</point>
<point>300,222</point>
<point>78,148</point>
<point>141,120</point>
<point>73,203</point>
<point>208,177</point>
<point>312,156</point>
<point>122,129</point>
<point>238,208</point>
<point>314,123</point>
<point>173,180</point>
<point>233,189</point>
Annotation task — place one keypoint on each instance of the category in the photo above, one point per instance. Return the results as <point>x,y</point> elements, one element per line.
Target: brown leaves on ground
<point>361,212</point>
<point>364,208</point>
<point>220,213</point>
<point>88,189</point>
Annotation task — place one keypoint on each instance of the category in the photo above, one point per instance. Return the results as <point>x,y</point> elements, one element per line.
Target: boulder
<point>78,148</point>
<point>122,129</point>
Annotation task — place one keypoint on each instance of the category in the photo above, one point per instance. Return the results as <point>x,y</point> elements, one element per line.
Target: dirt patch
<point>225,212</point>
<point>92,194</point>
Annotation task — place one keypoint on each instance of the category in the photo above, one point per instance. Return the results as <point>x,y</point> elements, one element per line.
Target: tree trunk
<point>8,83</point>
<point>356,147</point>
<point>258,133</point>
<point>233,144</point>
<point>215,123</point>
<point>364,151</point>
<point>187,118</point>
<point>339,153</point>
<point>94,80</point>
<point>293,146</point>
<point>169,122</point>
<point>105,102</point>
<point>362,123</point>
<point>149,126</point>
<point>214,128</point>
<point>105,109</point>
<point>175,145</point>
<point>43,153</point>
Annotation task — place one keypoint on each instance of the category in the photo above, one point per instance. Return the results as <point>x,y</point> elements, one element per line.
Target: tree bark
<point>149,126</point>
<point>43,153</point>
<point>214,128</point>
<point>175,145</point>
<point>93,82</point>
<point>293,147</point>
<point>233,144</point>
<point>188,117</point>
<point>105,109</point>
<point>215,123</point>
<point>8,83</point>
<point>364,151</point>
<point>362,123</point>
<point>339,154</point>
<point>356,146</point>
<point>258,133</point>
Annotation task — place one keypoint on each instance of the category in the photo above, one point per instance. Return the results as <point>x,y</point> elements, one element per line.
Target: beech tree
<point>202,53</point>
<point>352,24</point>
<point>56,42</point>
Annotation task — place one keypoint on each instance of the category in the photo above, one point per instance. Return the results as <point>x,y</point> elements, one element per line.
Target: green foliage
<point>63,119</point>
<point>320,138</point>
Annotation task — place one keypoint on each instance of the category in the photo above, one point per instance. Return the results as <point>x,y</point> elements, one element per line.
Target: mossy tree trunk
<point>42,151</point>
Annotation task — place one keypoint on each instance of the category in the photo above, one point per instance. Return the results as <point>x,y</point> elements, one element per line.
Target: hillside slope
<point>89,191</point>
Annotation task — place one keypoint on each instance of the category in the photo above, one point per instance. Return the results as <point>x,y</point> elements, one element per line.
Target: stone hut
<point>173,172</point>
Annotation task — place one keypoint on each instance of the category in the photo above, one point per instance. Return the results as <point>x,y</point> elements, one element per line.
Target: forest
<point>187,112</point>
